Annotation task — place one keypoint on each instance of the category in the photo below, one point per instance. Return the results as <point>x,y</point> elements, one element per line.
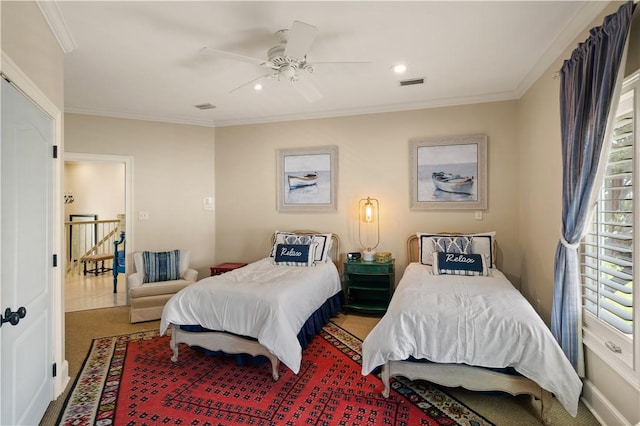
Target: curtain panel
<point>589,83</point>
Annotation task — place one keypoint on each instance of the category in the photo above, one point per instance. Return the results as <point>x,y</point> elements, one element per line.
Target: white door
<point>26,257</point>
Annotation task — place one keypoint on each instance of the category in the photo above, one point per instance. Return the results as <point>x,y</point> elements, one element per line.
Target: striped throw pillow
<point>161,266</point>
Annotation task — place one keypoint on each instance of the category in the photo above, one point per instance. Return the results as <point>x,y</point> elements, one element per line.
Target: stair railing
<point>86,238</point>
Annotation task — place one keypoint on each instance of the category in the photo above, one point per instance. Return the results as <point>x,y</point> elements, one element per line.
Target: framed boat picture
<point>448,173</point>
<point>307,179</point>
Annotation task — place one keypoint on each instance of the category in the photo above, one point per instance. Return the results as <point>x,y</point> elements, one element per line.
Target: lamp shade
<point>369,226</point>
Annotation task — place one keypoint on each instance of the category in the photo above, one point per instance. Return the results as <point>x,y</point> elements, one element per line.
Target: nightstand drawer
<point>370,268</point>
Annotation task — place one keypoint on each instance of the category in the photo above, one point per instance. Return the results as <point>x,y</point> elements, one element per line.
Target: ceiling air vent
<point>411,82</point>
<point>205,106</point>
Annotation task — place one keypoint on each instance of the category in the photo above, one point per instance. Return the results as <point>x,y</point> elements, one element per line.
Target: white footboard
<point>471,378</point>
<point>221,341</point>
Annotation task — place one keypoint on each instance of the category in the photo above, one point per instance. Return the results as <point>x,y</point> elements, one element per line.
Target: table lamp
<point>369,227</point>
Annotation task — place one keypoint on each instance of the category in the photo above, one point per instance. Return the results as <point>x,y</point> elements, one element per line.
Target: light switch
<point>143,215</point>
<point>208,203</point>
<point>478,214</point>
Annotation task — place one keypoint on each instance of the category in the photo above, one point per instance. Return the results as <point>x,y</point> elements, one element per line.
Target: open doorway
<point>97,189</point>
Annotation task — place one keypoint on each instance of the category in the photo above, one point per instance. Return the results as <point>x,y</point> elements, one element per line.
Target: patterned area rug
<point>130,379</point>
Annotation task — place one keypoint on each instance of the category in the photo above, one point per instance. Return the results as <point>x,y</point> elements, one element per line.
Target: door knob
<point>13,317</point>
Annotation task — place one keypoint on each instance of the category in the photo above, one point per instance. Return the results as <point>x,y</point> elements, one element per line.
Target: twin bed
<point>472,331</point>
<point>267,308</point>
<point>449,329</point>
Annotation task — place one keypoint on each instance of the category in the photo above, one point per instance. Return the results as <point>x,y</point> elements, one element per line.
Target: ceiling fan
<point>287,61</point>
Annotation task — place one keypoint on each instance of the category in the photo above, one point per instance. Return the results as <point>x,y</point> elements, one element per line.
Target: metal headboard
<point>413,247</point>
<point>334,253</point>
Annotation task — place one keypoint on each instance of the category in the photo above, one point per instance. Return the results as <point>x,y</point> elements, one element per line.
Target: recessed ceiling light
<point>257,87</point>
<point>399,68</point>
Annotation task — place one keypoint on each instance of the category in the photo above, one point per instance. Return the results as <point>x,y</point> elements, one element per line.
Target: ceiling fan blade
<point>299,39</point>
<point>352,66</point>
<point>307,89</point>
<point>248,83</point>
<point>222,54</point>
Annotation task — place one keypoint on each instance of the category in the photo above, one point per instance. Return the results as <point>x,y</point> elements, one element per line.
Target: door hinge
<point>55,151</point>
<point>55,260</point>
<point>54,370</point>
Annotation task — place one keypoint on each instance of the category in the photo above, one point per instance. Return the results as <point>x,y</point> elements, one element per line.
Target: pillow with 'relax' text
<point>295,254</point>
<point>459,264</point>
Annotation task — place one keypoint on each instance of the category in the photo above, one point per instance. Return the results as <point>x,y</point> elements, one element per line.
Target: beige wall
<point>97,188</point>
<point>633,59</point>
<point>539,200</point>
<point>173,170</point>
<point>373,161</point>
<point>28,41</point>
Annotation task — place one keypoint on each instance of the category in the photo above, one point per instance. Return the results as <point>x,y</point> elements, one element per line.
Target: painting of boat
<point>452,183</point>
<point>299,181</point>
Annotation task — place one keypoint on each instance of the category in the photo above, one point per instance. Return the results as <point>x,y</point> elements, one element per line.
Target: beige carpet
<point>83,326</point>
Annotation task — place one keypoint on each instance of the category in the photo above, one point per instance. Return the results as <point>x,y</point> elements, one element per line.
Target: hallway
<point>85,292</point>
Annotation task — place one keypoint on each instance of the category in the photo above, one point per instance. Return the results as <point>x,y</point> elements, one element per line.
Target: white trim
<point>347,112</point>
<point>595,337</point>
<point>570,30</point>
<point>58,26</point>
<point>601,408</point>
<point>19,79</point>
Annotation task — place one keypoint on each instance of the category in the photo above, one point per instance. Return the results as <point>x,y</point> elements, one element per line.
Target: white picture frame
<point>448,173</point>
<point>307,179</point>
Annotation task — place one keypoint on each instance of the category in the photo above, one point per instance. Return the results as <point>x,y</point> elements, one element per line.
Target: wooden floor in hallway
<point>84,292</point>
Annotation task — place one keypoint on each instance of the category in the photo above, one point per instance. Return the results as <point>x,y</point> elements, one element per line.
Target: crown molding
<point>572,29</point>
<point>53,16</point>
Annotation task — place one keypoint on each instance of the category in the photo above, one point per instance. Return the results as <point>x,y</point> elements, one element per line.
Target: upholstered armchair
<point>158,276</point>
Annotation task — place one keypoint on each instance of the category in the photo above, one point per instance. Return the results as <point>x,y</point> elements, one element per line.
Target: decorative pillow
<point>483,244</point>
<point>161,266</point>
<point>452,244</point>
<point>322,241</point>
<point>295,254</point>
<point>459,264</point>
<point>480,244</point>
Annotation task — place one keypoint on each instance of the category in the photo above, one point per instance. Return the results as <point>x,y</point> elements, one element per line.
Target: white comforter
<point>479,321</point>
<point>265,301</point>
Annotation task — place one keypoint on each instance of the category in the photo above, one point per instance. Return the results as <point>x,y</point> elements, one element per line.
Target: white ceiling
<point>141,59</point>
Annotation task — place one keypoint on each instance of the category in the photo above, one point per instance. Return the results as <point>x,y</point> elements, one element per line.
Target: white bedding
<point>479,321</point>
<point>261,300</point>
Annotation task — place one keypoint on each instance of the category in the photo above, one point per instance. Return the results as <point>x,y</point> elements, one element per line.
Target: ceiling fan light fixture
<point>289,71</point>
<point>257,87</point>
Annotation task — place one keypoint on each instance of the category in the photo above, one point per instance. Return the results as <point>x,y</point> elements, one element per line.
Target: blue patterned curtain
<point>588,82</point>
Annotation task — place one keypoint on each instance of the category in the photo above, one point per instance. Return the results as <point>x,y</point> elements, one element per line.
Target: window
<point>610,302</point>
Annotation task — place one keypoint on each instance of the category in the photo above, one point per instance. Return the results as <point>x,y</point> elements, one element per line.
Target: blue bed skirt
<point>310,328</point>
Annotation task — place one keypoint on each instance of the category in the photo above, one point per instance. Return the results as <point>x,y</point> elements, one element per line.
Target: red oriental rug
<point>130,379</point>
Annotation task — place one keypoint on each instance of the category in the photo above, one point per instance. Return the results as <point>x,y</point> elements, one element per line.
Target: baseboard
<point>61,380</point>
<point>601,408</point>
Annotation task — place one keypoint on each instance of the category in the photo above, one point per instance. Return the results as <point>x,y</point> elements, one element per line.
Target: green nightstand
<point>368,286</point>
